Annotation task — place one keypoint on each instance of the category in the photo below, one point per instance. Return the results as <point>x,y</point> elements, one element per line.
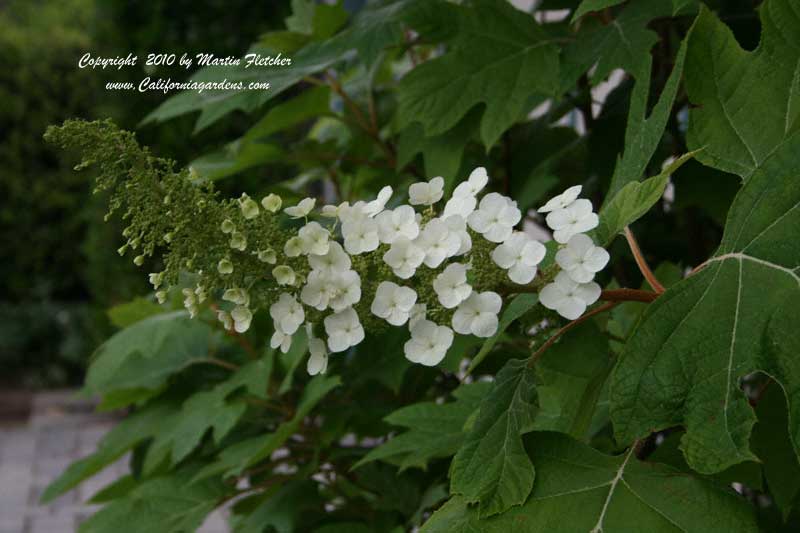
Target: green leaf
<point>434,430</point>
<point>136,428</point>
<point>500,58</point>
<point>623,43</point>
<point>593,5</point>
<point>124,315</point>
<point>168,504</point>
<point>283,508</point>
<point>570,376</point>
<point>643,133</point>
<point>308,105</point>
<point>234,459</point>
<point>521,304</point>
<point>633,201</point>
<point>745,104</point>
<point>581,489</point>
<point>144,355</point>
<point>772,440</point>
<point>442,153</point>
<point>492,468</point>
<point>236,157</point>
<point>683,364</point>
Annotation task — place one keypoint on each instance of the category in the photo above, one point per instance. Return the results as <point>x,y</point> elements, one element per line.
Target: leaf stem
<point>628,295</point>
<point>641,262</point>
<point>538,353</point>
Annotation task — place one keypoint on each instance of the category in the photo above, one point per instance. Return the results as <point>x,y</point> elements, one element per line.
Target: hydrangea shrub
<point>456,265</point>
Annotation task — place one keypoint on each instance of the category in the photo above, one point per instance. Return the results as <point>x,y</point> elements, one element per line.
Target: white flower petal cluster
<point>477,315</point>
<point>426,192</point>
<point>428,344</point>
<point>495,218</point>
<point>398,222</point>
<point>302,209</point>
<point>287,316</point>
<point>393,303</point>
<point>581,259</point>
<point>520,255</point>
<point>344,330</point>
<point>436,242</point>
<point>567,297</point>
<point>331,284</point>
<point>577,217</point>
<point>451,285</point>
<point>464,197</point>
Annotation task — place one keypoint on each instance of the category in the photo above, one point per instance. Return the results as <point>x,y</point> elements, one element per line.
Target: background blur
<point>59,271</point>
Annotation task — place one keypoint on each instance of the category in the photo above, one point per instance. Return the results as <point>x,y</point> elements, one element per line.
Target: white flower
<point>404,257</point>
<point>281,340</point>
<point>581,259</point>
<point>236,296</point>
<point>238,241</point>
<point>314,239</point>
<point>287,314</point>
<point>343,329</point>
<point>428,344</point>
<point>201,294</point>
<point>227,226</point>
<point>248,206</point>
<point>156,279</point>
<point>495,217</point>
<point>573,219</point>
<point>477,180</point>
<point>272,203</point>
<point>520,255</point>
<point>400,221</point>
<point>426,192</point>
<point>224,266</point>
<point>568,298</point>
<point>376,206</point>
<point>459,205</point>
<point>225,318</point>
<point>302,209</point>
<point>335,260</point>
<point>418,312</point>
<point>293,247</point>
<point>333,289</point>
<point>478,314</point>
<point>393,303</point>
<point>318,360</point>
<point>360,235</point>
<point>242,316</point>
<point>161,296</point>
<point>458,226</point>
<point>561,201</point>
<point>451,285</point>
<point>284,275</point>
<point>268,256</point>
<point>438,242</point>
<point>330,211</point>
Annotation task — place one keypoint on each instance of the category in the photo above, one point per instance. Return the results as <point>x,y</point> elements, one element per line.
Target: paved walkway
<point>33,452</point>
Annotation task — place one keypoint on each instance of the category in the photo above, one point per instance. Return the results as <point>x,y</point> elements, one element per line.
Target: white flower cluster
<point>405,240</point>
<point>573,290</point>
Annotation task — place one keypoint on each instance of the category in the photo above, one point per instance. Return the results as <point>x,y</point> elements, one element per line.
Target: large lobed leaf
<point>581,489</point>
<point>745,104</point>
<point>736,316</point>
<point>500,58</point>
<point>492,468</point>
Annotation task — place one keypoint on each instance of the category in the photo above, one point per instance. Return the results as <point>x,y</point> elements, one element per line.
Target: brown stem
<point>538,353</point>
<point>642,263</point>
<point>627,295</point>
<point>219,362</point>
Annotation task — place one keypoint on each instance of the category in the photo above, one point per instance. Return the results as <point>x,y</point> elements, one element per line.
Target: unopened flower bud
<point>138,260</point>
<point>225,267</point>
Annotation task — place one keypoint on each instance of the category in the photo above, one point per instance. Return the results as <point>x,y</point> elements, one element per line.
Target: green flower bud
<point>248,206</point>
<point>238,241</point>
<point>225,267</point>
<point>268,256</point>
<point>272,203</point>
<point>138,260</point>
<point>227,226</point>
<point>122,249</point>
